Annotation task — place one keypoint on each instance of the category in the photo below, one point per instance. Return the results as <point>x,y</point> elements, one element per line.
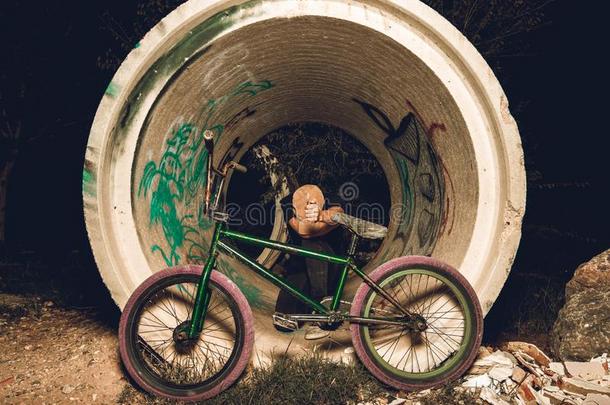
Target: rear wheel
<point>153,335</point>
<point>441,346</point>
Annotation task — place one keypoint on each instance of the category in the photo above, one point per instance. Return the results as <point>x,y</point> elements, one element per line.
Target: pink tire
<point>465,352</point>
<point>130,335</point>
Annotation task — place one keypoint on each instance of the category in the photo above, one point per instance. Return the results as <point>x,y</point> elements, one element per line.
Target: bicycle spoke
<point>413,351</point>
<point>180,363</point>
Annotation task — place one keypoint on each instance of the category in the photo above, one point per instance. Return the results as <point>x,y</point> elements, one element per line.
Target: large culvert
<point>394,73</point>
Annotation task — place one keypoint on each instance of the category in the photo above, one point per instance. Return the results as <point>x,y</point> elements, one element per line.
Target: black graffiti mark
<point>235,147</point>
<point>405,139</point>
<point>425,227</point>
<point>240,116</point>
<point>434,160</point>
<point>410,142</point>
<point>425,183</point>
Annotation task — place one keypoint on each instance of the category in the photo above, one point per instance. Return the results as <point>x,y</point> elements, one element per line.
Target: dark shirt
<point>334,238</point>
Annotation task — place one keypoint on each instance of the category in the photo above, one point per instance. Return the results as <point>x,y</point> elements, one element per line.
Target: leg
<point>317,270</point>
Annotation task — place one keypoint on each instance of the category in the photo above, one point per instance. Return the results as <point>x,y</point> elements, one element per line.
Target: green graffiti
<point>112,90</point>
<point>251,292</point>
<point>174,184</point>
<point>191,47</point>
<point>89,183</point>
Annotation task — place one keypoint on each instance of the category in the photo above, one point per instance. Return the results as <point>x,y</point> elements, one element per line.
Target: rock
<point>525,392</point>
<point>478,382</point>
<point>556,398</point>
<point>398,401</point>
<point>590,275</point>
<point>586,370</point>
<point>532,350</point>
<point>67,389</point>
<point>498,357</point>
<point>500,372</point>
<point>518,375</point>
<point>557,368</point>
<point>489,395</point>
<point>541,399</point>
<point>597,399</point>
<point>583,387</point>
<point>581,330</point>
<point>349,356</point>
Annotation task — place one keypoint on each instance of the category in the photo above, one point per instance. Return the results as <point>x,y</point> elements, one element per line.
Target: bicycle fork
<point>202,298</point>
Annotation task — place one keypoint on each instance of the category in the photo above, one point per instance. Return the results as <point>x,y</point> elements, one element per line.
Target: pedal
<point>284,321</point>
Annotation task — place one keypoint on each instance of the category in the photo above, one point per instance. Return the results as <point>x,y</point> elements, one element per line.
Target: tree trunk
<point>5,172</point>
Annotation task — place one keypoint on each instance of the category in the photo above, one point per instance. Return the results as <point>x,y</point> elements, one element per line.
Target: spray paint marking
<point>174,184</point>
<point>448,218</point>
<point>88,183</point>
<point>112,90</point>
<point>422,179</point>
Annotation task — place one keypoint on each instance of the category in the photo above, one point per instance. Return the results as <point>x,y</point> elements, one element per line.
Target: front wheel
<point>155,322</point>
<point>450,325</point>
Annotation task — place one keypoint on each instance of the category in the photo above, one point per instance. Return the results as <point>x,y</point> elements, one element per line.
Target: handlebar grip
<point>208,138</point>
<point>240,168</point>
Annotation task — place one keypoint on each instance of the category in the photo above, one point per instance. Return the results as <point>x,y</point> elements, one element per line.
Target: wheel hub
<point>417,323</point>
<point>181,337</point>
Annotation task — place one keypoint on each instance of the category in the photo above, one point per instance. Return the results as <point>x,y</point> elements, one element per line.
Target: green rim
<point>468,327</point>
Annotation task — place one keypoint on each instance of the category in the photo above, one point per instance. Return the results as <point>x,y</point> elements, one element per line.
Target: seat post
<point>353,245</point>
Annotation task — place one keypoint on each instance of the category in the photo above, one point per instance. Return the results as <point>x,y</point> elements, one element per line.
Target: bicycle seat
<point>362,228</point>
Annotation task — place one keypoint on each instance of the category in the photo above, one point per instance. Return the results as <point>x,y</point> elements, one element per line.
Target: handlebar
<point>208,138</point>
<point>238,167</point>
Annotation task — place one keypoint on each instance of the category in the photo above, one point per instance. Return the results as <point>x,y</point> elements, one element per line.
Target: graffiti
<point>448,217</point>
<point>240,116</point>
<point>235,147</point>
<point>404,140</point>
<point>253,294</point>
<point>422,208</point>
<point>173,185</point>
<point>89,182</point>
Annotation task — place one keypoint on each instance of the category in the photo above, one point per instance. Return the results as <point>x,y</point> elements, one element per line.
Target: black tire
<point>438,354</point>
<point>160,308</point>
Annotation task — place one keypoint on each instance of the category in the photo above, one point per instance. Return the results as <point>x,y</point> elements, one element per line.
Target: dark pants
<point>313,277</point>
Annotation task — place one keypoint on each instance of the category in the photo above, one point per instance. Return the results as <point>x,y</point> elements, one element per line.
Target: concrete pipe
<point>393,73</point>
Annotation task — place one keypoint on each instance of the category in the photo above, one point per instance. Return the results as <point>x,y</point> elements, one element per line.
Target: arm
<point>322,226</point>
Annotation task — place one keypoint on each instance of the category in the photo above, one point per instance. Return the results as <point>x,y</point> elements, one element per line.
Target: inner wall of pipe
<point>308,68</point>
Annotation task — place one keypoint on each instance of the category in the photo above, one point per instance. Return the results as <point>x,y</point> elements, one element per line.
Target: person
<point>308,216</point>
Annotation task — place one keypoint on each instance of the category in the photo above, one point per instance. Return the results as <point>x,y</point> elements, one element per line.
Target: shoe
<point>313,332</point>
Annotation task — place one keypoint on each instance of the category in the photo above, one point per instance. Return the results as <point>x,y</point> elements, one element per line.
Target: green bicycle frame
<point>221,232</point>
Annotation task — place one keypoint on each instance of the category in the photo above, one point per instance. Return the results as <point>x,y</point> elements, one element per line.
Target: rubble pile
<point>522,374</point>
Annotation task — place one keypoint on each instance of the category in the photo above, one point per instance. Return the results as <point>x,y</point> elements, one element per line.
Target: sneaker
<point>313,332</point>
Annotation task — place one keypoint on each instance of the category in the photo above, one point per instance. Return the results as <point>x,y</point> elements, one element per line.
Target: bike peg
<point>239,168</point>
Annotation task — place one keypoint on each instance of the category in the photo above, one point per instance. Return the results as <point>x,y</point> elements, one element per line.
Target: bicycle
<point>187,332</point>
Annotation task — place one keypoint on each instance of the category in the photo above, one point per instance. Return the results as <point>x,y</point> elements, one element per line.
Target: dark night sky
<point>52,48</point>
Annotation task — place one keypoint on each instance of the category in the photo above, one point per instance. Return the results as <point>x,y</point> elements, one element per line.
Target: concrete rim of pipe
<point>395,74</point>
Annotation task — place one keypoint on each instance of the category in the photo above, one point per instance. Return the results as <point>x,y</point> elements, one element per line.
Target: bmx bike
<point>187,332</point>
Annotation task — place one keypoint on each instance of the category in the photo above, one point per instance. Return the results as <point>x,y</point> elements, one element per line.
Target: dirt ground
<point>52,355</point>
